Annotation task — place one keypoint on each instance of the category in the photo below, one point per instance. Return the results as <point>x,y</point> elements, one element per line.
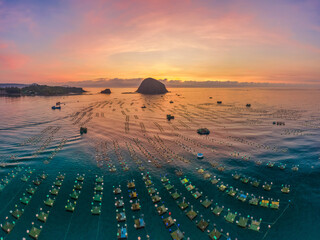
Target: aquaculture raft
<point>217,210</point>
<point>25,199</point>
<point>139,223</point>
<point>191,214</point>
<point>75,194</point>
<point>34,232</point>
<point>70,206</point>
<point>119,203</point>
<point>135,206</point>
<point>96,210</point>
<point>243,221</point>
<point>43,216</point>
<point>17,213</point>
<point>177,235</point>
<point>255,225</point>
<point>202,225</point>
<point>121,217</point>
<point>215,234</point>
<point>49,202</point>
<point>122,233</point>
<point>183,205</point>
<point>230,217</point>
<point>168,222</point>
<point>8,226</point>
<point>161,210</point>
<point>206,203</point>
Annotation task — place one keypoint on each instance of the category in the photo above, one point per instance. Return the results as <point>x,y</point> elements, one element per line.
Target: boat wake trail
<point>32,124</point>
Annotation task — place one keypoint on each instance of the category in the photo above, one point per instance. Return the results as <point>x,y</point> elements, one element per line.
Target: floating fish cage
<point>217,210</point>
<point>168,222</point>
<point>214,234</point>
<point>162,210</point>
<point>17,213</point>
<point>230,217</point>
<point>8,226</point>
<point>34,232</point>
<point>191,214</point>
<point>122,233</point>
<point>202,225</point>
<point>139,223</point>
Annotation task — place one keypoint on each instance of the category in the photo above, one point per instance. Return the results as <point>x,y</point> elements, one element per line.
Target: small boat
<point>199,155</point>
<point>279,123</point>
<point>83,130</point>
<point>57,106</point>
<point>169,117</point>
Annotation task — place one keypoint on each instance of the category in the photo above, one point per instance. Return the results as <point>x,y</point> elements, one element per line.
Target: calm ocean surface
<point>243,140</point>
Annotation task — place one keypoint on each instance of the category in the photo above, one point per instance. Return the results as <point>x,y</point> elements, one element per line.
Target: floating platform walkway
<point>231,217</point>
<point>76,191</point>
<point>44,212</point>
<point>161,209</point>
<point>97,196</point>
<point>121,217</point>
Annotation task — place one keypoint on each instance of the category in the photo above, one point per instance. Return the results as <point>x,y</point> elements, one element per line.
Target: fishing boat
<point>169,117</point>
<point>83,130</point>
<point>200,155</point>
<point>203,131</point>
<point>57,106</point>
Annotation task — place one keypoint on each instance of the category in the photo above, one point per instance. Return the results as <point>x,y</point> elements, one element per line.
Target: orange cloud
<point>185,39</point>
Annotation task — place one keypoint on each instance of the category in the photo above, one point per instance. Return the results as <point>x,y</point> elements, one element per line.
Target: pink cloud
<point>136,24</point>
<point>12,61</point>
<point>10,58</point>
<point>188,38</point>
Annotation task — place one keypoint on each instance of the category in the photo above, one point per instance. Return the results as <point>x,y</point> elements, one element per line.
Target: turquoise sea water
<point>243,140</point>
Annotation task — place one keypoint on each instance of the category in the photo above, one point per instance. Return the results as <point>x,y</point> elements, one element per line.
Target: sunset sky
<point>57,41</point>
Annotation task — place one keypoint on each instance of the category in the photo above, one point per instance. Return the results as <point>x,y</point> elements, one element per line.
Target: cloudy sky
<point>51,41</point>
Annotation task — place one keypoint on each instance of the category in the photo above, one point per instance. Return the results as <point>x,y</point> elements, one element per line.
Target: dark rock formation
<point>106,91</point>
<point>152,86</point>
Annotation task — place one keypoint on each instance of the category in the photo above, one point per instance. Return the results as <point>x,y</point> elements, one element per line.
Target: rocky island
<point>152,86</point>
<point>106,91</point>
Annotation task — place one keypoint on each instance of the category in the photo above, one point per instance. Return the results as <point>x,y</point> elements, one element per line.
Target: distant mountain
<point>18,85</point>
<point>39,90</point>
<point>135,82</point>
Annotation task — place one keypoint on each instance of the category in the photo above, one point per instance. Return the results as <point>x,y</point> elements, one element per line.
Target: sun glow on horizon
<point>245,41</point>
